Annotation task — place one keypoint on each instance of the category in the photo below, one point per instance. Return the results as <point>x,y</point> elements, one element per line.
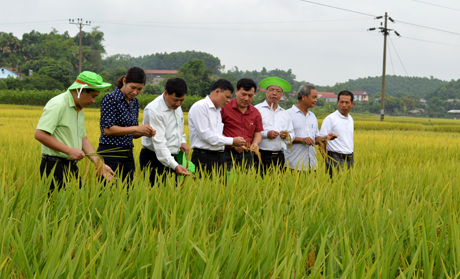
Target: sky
<point>322,43</point>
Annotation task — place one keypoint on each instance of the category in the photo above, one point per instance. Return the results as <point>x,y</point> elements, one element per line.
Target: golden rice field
<point>395,215</point>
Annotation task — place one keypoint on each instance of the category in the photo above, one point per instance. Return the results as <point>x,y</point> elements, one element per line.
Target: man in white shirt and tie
<point>206,128</point>
<point>278,129</point>
<point>306,131</point>
<point>340,151</point>
<point>165,114</point>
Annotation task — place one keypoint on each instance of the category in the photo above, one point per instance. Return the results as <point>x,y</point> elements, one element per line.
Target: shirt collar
<point>164,106</point>
<point>71,101</point>
<point>296,109</point>
<point>209,102</point>
<point>341,115</point>
<point>278,107</point>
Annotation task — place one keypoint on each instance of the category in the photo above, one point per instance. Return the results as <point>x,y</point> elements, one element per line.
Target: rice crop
<point>394,215</point>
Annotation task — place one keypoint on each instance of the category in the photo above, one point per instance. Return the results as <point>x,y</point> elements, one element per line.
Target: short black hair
<point>305,90</point>
<point>88,90</point>
<point>223,85</point>
<point>176,86</point>
<point>246,84</point>
<point>345,93</point>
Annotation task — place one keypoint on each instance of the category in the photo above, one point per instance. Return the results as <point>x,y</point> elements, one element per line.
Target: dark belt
<point>58,159</point>
<point>209,152</point>
<point>340,155</point>
<point>272,153</point>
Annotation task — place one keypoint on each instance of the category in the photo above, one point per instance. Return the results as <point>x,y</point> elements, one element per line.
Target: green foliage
<point>162,61</point>
<point>447,91</point>
<point>153,89</point>
<point>197,77</point>
<point>397,86</point>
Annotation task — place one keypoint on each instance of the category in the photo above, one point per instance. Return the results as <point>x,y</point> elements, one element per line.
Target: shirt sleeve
<point>259,125</point>
<point>50,117</point>
<point>159,141</point>
<point>326,127</point>
<point>108,112</point>
<point>204,133</point>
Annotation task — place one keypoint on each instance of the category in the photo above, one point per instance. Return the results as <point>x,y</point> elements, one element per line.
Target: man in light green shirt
<point>61,130</point>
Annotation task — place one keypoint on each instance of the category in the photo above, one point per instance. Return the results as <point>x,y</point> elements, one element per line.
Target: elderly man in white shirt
<point>340,151</point>
<point>165,114</point>
<point>305,125</point>
<point>278,130</point>
<point>206,127</point>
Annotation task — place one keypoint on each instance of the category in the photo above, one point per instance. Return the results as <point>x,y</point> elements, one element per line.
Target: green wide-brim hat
<point>265,83</point>
<point>91,81</point>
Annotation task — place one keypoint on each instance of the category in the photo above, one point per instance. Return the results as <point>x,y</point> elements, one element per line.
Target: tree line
<point>53,58</point>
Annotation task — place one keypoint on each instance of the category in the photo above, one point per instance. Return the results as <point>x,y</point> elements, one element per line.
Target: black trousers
<point>64,169</point>
<point>206,161</point>
<point>338,163</point>
<point>273,159</point>
<point>243,159</point>
<point>148,159</point>
<point>124,164</point>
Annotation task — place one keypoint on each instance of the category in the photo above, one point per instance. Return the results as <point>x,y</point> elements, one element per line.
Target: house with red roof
<point>360,96</point>
<point>156,76</point>
<point>328,96</point>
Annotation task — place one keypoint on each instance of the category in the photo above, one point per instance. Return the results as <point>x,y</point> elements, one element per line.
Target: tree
<point>197,77</point>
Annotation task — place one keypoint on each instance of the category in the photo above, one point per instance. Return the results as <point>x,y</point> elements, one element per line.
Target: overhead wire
<point>445,7</point>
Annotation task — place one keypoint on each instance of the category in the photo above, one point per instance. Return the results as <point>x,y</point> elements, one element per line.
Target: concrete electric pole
<point>80,24</point>
<point>385,31</point>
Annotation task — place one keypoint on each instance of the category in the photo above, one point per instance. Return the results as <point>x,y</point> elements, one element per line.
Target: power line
<point>33,22</point>
<point>329,6</point>
<point>433,42</point>
<point>397,54</point>
<point>445,7</point>
<point>221,23</point>
<point>408,23</point>
<point>426,27</point>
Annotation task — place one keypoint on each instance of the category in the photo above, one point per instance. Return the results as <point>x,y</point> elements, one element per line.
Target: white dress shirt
<point>276,120</point>
<point>304,156</point>
<point>169,126</point>
<point>342,126</point>
<point>206,127</point>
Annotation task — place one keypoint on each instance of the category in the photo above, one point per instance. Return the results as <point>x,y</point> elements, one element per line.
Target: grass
<point>395,215</point>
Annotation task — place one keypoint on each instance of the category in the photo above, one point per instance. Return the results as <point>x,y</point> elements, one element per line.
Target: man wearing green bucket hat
<point>278,130</point>
<point>61,130</point>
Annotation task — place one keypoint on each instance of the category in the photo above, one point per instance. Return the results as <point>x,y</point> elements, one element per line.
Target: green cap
<point>265,83</point>
<point>90,80</point>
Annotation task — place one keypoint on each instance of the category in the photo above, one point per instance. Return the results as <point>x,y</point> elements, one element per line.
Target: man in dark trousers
<point>206,127</point>
<point>241,119</point>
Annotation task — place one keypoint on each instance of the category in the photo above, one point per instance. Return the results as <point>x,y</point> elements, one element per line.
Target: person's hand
<point>272,134</point>
<point>240,149</point>
<point>180,170</point>
<point>308,141</point>
<point>184,148</point>
<point>107,172</point>
<point>146,130</point>
<point>331,136</point>
<point>76,154</point>
<point>254,147</point>
<point>239,141</point>
<point>283,134</point>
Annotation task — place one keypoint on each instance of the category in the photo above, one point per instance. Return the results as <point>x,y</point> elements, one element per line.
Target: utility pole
<point>385,31</point>
<point>80,24</point>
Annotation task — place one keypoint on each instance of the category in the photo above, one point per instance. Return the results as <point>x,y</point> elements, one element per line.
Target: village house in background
<point>157,76</point>
<point>7,72</point>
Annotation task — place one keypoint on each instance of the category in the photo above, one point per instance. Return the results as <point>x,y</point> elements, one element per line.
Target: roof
<point>453,111</point>
<point>161,72</point>
<point>326,95</point>
<point>359,92</point>
<point>10,69</point>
